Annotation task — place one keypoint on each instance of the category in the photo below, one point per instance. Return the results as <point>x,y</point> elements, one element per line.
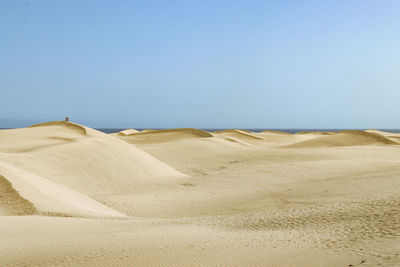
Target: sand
<point>128,132</point>
<point>71,196</point>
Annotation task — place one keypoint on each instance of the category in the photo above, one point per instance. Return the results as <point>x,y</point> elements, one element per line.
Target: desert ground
<point>74,196</point>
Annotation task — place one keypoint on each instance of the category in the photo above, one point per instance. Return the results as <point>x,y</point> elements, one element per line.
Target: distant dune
<point>276,132</point>
<point>392,136</point>
<point>345,138</point>
<point>320,133</point>
<point>161,136</point>
<point>128,132</point>
<point>236,140</point>
<point>240,134</point>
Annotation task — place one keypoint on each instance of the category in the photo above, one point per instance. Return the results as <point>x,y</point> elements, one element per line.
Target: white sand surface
<point>71,196</point>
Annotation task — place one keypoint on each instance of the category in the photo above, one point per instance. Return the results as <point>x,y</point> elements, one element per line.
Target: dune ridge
<point>237,141</point>
<point>128,132</point>
<point>392,136</point>
<point>319,133</point>
<point>238,134</point>
<point>276,132</point>
<point>167,135</point>
<point>345,138</point>
<point>193,131</point>
<point>70,125</point>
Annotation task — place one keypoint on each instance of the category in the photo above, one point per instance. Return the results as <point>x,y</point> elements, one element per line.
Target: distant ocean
<point>257,130</point>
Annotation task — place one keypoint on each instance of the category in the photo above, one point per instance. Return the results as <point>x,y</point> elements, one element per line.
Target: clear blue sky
<point>201,63</point>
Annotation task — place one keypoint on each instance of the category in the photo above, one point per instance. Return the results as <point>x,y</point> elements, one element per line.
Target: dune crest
<point>345,138</point>
<point>168,135</point>
<point>70,125</point>
<point>241,134</point>
<point>192,131</point>
<point>319,133</point>
<point>392,136</point>
<point>276,132</point>
<point>128,132</point>
<point>236,140</point>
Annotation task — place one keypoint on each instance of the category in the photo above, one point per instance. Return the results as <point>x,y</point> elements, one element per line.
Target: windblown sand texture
<point>71,196</point>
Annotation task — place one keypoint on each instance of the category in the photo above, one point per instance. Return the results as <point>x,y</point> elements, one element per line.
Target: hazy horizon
<point>201,64</point>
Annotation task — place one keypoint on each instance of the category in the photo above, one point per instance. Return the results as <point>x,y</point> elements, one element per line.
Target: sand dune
<point>186,197</point>
<point>108,163</point>
<point>68,125</point>
<point>319,133</point>
<point>60,166</point>
<point>346,138</point>
<point>239,134</point>
<point>276,132</point>
<point>36,138</point>
<point>277,139</point>
<point>11,202</point>
<point>381,132</point>
<point>147,130</point>
<point>128,132</point>
<point>236,140</point>
<point>160,136</point>
<point>37,194</point>
<point>392,136</point>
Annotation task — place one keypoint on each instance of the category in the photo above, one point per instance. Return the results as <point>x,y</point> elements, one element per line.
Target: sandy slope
<point>11,202</point>
<point>128,132</point>
<point>346,138</point>
<point>193,198</point>
<point>240,134</point>
<point>162,136</point>
<point>56,165</point>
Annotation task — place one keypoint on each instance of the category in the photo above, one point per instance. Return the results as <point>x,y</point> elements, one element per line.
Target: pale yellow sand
<point>128,132</point>
<point>186,197</point>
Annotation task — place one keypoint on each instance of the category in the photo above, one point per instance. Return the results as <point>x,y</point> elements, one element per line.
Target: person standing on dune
<point>67,119</point>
